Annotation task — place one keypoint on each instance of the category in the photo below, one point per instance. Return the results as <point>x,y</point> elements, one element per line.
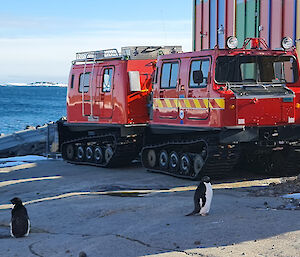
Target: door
<point>103,107</point>
<point>197,103</point>
<point>166,96</point>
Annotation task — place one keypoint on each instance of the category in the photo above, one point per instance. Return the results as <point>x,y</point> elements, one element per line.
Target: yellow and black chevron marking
<point>190,103</point>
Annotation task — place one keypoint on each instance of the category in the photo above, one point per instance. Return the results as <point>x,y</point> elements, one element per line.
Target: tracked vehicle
<point>189,114</point>
<point>107,105</point>
<point>215,108</point>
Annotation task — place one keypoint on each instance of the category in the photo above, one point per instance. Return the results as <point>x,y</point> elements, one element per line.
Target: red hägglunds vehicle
<point>202,113</point>
<point>107,105</point>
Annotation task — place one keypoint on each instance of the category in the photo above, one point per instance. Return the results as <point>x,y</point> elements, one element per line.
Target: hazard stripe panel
<point>189,103</point>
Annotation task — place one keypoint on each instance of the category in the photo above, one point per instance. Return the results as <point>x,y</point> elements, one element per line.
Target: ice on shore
<point>292,196</point>
<point>19,160</point>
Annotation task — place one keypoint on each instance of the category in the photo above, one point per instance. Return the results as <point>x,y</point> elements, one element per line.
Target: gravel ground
<point>131,212</point>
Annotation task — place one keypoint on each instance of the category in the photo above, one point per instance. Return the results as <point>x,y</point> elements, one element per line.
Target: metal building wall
<point>272,20</point>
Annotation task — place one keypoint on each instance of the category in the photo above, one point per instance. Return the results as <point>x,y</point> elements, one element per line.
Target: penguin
<point>202,197</point>
<point>20,223</point>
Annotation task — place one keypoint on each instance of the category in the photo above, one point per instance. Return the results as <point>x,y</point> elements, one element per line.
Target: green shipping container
<point>247,19</point>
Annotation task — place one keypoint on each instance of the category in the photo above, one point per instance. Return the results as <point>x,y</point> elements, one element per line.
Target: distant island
<point>36,84</point>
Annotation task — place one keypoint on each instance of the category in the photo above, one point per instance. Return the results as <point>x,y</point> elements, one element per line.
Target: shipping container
<point>215,20</point>
<point>298,27</point>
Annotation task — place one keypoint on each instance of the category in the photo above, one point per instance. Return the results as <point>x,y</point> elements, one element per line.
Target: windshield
<point>253,69</point>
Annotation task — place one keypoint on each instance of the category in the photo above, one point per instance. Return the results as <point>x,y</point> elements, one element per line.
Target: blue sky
<point>39,39</point>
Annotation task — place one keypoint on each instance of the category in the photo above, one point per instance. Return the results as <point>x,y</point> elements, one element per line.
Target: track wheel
<point>185,164</point>
<point>70,152</point>
<point>198,165</point>
<point>108,154</point>
<point>98,155</point>
<point>151,158</point>
<point>89,153</point>
<point>80,153</point>
<point>174,161</point>
<point>163,160</point>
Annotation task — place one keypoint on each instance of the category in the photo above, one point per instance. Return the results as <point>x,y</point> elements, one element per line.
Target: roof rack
<point>97,55</point>
<point>127,53</point>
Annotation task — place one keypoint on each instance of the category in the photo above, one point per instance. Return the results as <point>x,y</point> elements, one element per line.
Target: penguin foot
<point>191,214</point>
<point>204,214</point>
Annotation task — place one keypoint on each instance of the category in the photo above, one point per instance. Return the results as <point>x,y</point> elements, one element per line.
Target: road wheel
<point>185,164</point>
<point>108,154</point>
<point>70,152</point>
<point>98,155</point>
<point>163,160</point>
<point>174,161</point>
<point>80,153</point>
<point>151,158</point>
<point>198,165</point>
<point>89,153</point>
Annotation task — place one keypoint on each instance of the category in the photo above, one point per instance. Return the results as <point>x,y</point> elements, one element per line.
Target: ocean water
<point>22,106</point>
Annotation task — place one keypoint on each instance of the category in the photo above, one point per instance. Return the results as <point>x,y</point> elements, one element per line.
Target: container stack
<point>215,20</point>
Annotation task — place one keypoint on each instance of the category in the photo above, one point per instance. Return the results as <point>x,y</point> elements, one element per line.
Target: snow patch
<point>19,160</point>
<point>292,196</point>
<point>27,158</point>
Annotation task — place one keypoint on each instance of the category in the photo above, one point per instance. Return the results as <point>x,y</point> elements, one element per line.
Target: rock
<point>82,254</point>
<point>197,243</point>
<point>281,207</point>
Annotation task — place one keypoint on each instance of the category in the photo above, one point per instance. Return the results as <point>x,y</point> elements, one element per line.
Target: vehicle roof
<point>229,52</point>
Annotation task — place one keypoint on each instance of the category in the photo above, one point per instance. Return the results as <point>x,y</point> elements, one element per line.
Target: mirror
<point>198,76</point>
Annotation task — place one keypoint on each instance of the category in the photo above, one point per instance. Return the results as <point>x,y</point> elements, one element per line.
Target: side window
<point>84,82</point>
<point>199,65</point>
<point>72,81</point>
<point>154,76</point>
<point>169,75</point>
<point>107,80</point>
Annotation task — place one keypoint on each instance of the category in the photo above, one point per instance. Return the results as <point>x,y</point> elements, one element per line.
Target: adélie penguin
<point>202,197</point>
<point>20,223</point>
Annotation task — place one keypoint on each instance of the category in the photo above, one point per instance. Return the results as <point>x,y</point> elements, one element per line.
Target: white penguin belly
<point>208,194</point>
<point>28,230</point>
<point>11,233</point>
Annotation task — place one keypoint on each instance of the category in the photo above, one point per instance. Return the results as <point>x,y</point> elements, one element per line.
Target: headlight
<point>287,43</point>
<point>232,42</point>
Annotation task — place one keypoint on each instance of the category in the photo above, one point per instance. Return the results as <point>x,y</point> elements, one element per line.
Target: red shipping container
<point>298,27</point>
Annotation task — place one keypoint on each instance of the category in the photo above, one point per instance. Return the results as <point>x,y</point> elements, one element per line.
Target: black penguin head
<point>205,179</point>
<point>16,201</point>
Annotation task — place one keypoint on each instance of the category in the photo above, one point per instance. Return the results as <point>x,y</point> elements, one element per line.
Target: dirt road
<point>129,212</point>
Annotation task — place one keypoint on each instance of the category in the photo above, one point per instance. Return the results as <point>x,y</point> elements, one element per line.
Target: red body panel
<point>119,106</point>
